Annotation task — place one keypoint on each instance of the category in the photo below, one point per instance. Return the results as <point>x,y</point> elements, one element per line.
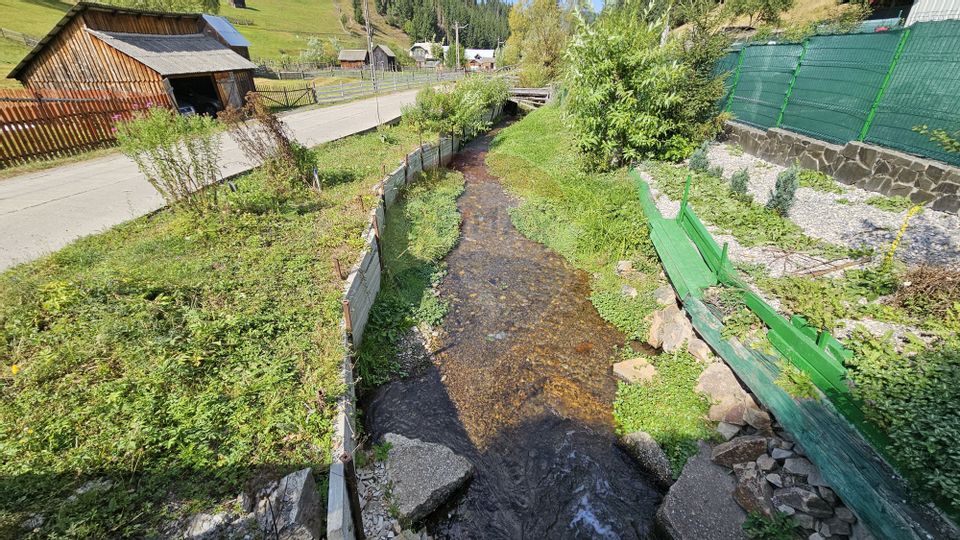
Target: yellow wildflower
<point>15,368</point>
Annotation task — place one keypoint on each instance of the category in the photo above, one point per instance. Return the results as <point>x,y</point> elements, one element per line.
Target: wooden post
<point>339,269</point>
<point>286,97</point>
<point>350,478</point>
<point>406,168</point>
<point>376,236</point>
<point>347,321</point>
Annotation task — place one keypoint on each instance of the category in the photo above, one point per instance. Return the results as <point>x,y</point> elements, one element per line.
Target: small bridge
<point>531,98</point>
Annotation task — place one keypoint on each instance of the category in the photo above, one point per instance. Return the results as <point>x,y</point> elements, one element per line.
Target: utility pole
<point>456,29</point>
<point>373,67</point>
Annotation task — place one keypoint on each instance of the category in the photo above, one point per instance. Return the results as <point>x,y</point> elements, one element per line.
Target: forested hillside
<point>433,20</point>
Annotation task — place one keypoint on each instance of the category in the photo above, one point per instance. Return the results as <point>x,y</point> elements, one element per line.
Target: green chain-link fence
<point>924,90</point>
<point>872,87</point>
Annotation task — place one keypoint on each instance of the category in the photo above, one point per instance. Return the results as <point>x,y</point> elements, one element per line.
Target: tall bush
<point>457,110</point>
<point>631,98</point>
<point>739,182</point>
<point>178,154</point>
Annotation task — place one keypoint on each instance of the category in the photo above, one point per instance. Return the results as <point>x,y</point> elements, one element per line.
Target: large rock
<point>753,493</point>
<point>423,475</point>
<point>636,370</point>
<point>670,329</point>
<point>729,401</point>
<point>292,510</point>
<point>203,526</point>
<point>739,450</point>
<point>803,500</point>
<point>699,350</point>
<point>699,505</point>
<point>650,456</point>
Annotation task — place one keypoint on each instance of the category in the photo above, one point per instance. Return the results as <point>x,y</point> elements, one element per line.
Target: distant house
<point>189,58</point>
<point>480,59</point>
<point>422,54</point>
<point>383,58</point>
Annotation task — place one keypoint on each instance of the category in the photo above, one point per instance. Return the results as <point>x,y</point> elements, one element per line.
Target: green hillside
<point>275,28</point>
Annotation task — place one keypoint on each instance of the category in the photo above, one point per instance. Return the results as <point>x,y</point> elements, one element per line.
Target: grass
<point>179,357</point>
<point>421,229</point>
<point>751,223</point>
<point>594,221</point>
<point>819,181</point>
<point>667,408</point>
<point>279,28</point>
<point>11,52</point>
<point>275,84</point>
<point>890,204</point>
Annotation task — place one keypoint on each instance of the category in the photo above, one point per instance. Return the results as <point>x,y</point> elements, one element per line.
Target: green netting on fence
<point>727,65</point>
<point>837,83</point>
<point>923,90</point>
<point>765,75</point>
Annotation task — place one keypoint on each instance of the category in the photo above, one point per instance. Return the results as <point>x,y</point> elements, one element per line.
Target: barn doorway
<point>199,92</point>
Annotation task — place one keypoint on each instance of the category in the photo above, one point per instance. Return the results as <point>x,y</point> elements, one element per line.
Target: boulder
<point>699,505</point>
<point>655,333</point>
<point>624,267</point>
<point>780,453</point>
<point>766,463</point>
<point>804,520</point>
<point>727,431</point>
<point>628,291</point>
<point>729,401</point>
<point>798,466</point>
<point>699,350</point>
<point>651,457</point>
<point>665,296</point>
<point>203,526</point>
<point>758,419</point>
<point>423,475</point>
<point>739,450</point>
<point>292,509</point>
<point>676,333</point>
<point>803,500</point>
<point>635,370</point>
<point>752,493</point>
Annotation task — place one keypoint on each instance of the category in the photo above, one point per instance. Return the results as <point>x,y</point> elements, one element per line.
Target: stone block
<point>850,151</point>
<point>947,188</point>
<point>850,172</point>
<point>867,156</point>
<point>921,197</point>
<point>898,190</point>
<point>636,370</point>
<point>739,450</point>
<point>908,177</point>
<point>947,203</point>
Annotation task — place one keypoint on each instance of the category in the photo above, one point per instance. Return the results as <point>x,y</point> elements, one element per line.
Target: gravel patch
<point>373,485</point>
<point>932,237</point>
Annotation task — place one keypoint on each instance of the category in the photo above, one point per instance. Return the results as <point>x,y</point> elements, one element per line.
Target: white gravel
<point>932,237</point>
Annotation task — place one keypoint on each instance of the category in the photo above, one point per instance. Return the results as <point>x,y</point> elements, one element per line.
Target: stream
<point>521,386</point>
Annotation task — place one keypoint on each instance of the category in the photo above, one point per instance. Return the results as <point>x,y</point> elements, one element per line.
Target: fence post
<point>793,80</point>
<point>736,79</point>
<point>883,86</point>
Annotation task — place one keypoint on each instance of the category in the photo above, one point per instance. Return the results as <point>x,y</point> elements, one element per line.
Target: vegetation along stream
<point>521,386</point>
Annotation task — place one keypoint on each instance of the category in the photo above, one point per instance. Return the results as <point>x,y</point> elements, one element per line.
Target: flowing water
<point>521,386</point>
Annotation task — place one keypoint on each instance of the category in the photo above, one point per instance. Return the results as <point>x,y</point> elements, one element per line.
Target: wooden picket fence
<point>45,124</point>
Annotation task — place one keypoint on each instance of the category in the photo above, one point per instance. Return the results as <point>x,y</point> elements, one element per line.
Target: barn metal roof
<point>352,55</point>
<point>226,30</point>
<point>176,55</point>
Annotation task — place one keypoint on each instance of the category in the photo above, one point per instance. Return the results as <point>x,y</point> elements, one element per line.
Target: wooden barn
<point>383,58</point>
<point>192,59</point>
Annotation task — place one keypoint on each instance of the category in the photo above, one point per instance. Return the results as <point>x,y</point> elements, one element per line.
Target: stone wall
<point>869,167</point>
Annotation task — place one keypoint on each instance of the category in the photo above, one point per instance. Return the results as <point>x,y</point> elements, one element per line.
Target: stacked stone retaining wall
<point>866,166</point>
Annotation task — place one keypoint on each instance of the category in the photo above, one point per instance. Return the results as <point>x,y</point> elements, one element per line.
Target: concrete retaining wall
<point>866,166</point>
<point>360,292</point>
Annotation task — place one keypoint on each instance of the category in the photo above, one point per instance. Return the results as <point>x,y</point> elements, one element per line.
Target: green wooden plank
<point>863,479</point>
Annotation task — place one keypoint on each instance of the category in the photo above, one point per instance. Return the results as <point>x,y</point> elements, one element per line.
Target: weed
<point>841,200</point>
<point>784,192</point>
<point>381,451</point>
<point>890,204</point>
<point>780,526</point>
<point>796,382</point>
<point>716,171</point>
<point>929,291</point>
<point>668,407</point>
<point>735,150</point>
<point>819,181</point>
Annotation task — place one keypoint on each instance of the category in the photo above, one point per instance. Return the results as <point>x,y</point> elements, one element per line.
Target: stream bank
<point>520,385</point>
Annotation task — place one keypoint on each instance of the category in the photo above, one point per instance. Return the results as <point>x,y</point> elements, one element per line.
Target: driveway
<point>43,211</point>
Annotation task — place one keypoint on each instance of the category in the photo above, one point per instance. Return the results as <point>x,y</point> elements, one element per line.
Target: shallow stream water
<point>521,386</point>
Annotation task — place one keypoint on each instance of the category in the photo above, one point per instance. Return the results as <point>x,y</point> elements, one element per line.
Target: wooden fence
<point>27,40</point>
<point>55,123</point>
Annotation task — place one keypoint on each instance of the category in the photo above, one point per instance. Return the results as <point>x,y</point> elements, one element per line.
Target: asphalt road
<point>43,211</point>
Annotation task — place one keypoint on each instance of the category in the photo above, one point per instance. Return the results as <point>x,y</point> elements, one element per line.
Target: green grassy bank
<point>180,358</point>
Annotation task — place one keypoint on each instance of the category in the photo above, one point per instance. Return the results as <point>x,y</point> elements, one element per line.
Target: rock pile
<point>773,475</point>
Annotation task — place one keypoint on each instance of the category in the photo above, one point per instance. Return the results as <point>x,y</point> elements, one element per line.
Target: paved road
<point>43,211</point>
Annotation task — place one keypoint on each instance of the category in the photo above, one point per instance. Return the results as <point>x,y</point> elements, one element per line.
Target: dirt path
<point>521,386</point>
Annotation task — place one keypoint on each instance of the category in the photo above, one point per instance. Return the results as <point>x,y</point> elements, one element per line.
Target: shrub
<point>178,154</point>
<point>632,99</point>
<point>458,110</point>
<point>739,182</point>
<point>698,159</point>
<point>818,181</point>
<point>264,138</point>
<point>784,192</point>
<point>916,401</point>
